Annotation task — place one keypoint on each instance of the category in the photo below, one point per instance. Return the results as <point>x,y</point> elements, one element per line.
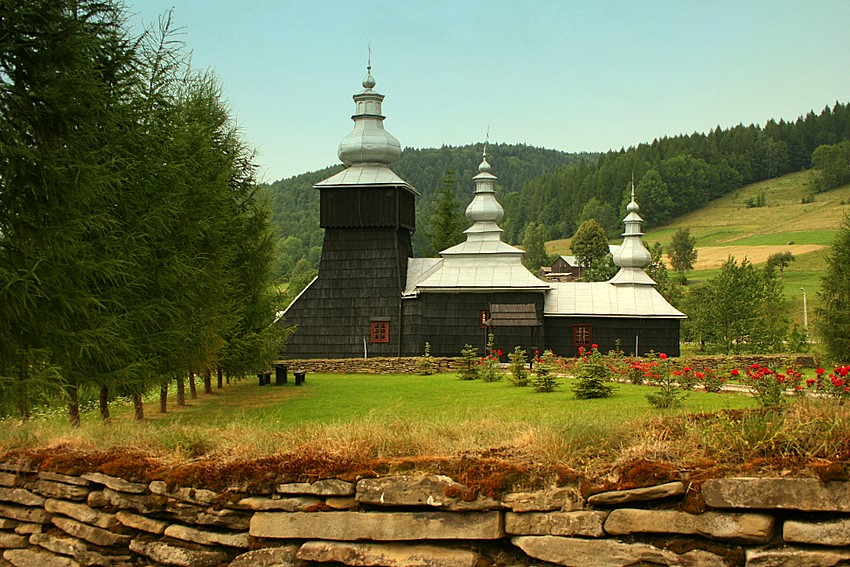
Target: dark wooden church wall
<point>360,275</point>
<point>450,320</point>
<point>349,207</point>
<point>656,334</point>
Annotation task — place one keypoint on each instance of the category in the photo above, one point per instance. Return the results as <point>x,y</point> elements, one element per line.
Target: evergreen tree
<point>681,251</point>
<point>446,222</point>
<point>534,244</point>
<point>833,322</point>
<point>66,83</point>
<point>589,243</point>
<point>654,198</point>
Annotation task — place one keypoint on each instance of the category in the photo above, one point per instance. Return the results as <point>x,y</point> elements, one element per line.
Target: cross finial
<point>486,141</point>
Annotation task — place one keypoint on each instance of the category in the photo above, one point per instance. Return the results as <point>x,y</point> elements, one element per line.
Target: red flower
<point>819,371</point>
<point>594,345</point>
<point>735,372</point>
<point>499,352</point>
<point>686,369</point>
<point>843,371</point>
<point>662,356</point>
<point>700,375</point>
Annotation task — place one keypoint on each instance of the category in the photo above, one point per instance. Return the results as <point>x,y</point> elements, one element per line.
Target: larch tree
<point>66,82</point>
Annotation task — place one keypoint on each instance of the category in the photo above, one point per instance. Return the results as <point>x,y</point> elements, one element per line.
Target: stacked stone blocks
<point>49,519</point>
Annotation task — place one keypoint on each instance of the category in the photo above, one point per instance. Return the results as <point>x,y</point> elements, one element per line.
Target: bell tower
<point>353,307</point>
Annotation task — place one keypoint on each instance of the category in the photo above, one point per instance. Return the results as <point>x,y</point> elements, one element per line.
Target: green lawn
<point>377,416</point>
<point>439,398</point>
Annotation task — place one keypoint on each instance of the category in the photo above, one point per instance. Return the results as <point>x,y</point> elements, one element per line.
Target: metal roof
<point>471,275</point>
<point>365,174</point>
<point>604,299</point>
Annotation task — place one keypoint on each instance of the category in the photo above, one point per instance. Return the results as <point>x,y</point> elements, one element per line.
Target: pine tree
<point>833,322</point>
<point>446,221</point>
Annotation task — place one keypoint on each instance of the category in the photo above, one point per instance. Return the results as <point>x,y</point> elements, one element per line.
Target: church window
<point>380,331</point>
<point>582,335</point>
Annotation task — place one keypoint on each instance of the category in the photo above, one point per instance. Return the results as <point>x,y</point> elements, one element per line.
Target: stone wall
<point>410,365</point>
<point>56,520</point>
<point>376,365</point>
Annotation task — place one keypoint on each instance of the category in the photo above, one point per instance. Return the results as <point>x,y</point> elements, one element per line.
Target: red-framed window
<point>379,331</point>
<point>582,335</point>
<point>483,317</point>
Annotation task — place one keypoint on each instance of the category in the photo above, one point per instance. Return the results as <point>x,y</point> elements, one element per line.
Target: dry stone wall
<point>377,365</point>
<point>411,365</point>
<point>55,520</point>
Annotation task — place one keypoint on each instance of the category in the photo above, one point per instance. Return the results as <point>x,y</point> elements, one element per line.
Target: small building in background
<point>373,298</point>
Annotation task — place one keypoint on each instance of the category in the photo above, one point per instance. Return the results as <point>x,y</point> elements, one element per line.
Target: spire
<point>632,256</point>
<point>484,211</point>
<point>368,142</point>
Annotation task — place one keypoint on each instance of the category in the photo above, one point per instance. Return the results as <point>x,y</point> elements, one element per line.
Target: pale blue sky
<point>567,75</point>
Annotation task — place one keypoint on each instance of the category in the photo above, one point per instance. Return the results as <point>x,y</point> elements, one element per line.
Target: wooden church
<point>373,298</point>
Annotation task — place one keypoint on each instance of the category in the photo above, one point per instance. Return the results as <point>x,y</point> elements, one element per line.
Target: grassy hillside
<point>729,227</point>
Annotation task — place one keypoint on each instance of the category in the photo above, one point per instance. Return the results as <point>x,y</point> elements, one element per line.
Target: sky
<point>560,74</point>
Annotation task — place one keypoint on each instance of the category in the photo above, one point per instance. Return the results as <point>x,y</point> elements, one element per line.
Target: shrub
<point>710,380</point>
<point>833,385</point>
<point>670,393</point>
<point>488,366</point>
<point>469,366</point>
<point>426,364</point>
<point>592,375</point>
<point>544,379</point>
<point>768,387</point>
<point>519,373</point>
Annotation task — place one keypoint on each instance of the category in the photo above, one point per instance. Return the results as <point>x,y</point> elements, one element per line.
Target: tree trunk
<point>208,381</point>
<point>104,402</point>
<point>73,405</point>
<point>163,397</point>
<point>138,407</point>
<point>193,390</point>
<point>181,389</point>
<point>220,373</point>
<point>23,398</point>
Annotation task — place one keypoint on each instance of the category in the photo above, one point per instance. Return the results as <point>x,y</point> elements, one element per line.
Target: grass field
<point>378,417</point>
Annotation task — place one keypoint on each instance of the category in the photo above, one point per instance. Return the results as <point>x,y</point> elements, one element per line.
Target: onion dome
<point>632,256</point>
<point>484,206</point>
<point>368,142</point>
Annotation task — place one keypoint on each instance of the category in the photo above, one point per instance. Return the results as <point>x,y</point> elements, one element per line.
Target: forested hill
<point>673,175</point>
<point>295,204</point>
